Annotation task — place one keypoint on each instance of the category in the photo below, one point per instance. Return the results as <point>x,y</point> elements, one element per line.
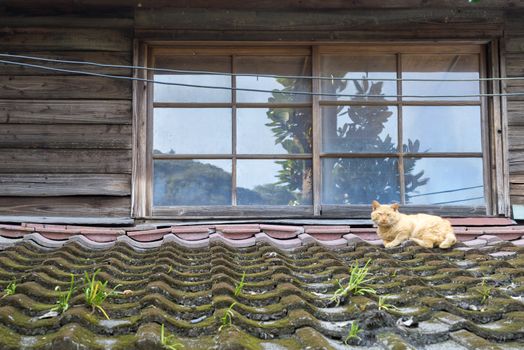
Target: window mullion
<point>233,133</point>
<point>402,180</point>
<point>315,114</point>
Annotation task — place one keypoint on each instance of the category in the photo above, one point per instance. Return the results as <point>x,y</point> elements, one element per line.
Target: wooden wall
<point>65,139</point>
<point>514,66</point>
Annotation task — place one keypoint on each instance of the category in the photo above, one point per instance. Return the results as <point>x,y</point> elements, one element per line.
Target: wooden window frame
<point>492,127</point>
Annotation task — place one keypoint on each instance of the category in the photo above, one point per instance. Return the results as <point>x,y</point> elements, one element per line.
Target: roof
<point>184,277</point>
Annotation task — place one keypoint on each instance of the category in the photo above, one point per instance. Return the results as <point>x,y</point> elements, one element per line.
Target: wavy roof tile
<point>184,277</point>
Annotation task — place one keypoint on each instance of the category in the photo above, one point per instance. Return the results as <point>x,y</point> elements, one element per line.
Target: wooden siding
<point>65,138</point>
<point>514,57</point>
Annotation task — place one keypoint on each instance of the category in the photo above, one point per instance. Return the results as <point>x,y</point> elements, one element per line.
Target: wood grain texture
<point>32,39</point>
<point>45,185</point>
<point>38,161</point>
<point>516,113</point>
<point>515,86</point>
<point>514,44</point>
<point>50,5</point>
<point>65,136</point>
<point>65,112</point>
<point>516,163</point>
<point>314,20</point>
<point>84,206</point>
<point>103,57</point>
<point>66,21</point>
<point>515,64</point>
<point>516,138</point>
<point>63,87</point>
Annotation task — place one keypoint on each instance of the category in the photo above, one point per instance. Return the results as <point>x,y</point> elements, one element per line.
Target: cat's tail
<point>449,240</point>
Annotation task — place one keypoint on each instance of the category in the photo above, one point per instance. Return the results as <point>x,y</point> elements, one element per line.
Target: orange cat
<point>425,230</point>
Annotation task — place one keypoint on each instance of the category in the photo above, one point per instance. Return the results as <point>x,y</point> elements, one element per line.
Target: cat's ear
<point>375,205</point>
<point>394,206</point>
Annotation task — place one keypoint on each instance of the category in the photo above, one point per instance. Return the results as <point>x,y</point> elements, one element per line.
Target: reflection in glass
<point>443,128</point>
<point>274,182</point>
<point>191,182</point>
<point>360,180</point>
<point>447,181</point>
<point>192,130</point>
<point>440,67</point>
<point>274,130</point>
<point>173,93</point>
<point>365,73</point>
<point>365,129</point>
<point>273,65</point>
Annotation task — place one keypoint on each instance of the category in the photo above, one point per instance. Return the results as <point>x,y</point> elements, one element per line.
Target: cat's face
<point>384,215</point>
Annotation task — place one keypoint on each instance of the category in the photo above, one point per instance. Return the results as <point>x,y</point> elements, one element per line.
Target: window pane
<point>173,93</point>
<point>444,181</point>
<point>274,182</point>
<point>440,67</point>
<point>360,180</point>
<point>274,130</point>
<point>273,65</point>
<point>192,131</point>
<point>365,73</point>
<point>365,129</point>
<point>191,182</point>
<point>442,129</point>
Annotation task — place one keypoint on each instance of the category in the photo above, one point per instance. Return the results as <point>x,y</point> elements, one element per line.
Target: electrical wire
<point>307,93</point>
<point>200,72</point>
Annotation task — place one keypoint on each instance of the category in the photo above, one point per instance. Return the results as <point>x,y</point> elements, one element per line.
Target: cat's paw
<point>390,245</point>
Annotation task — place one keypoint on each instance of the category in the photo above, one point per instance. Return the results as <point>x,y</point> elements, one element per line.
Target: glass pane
<point>192,131</point>
<point>444,181</point>
<point>274,130</point>
<point>365,73</point>
<point>273,65</point>
<point>442,129</point>
<point>365,129</point>
<point>440,67</point>
<point>360,180</point>
<point>191,182</point>
<point>274,182</point>
<point>173,93</point>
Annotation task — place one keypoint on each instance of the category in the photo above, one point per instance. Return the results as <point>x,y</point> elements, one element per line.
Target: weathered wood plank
<point>113,58</point>
<point>16,219</point>
<point>516,138</point>
<point>45,185</point>
<point>84,206</point>
<point>65,112</point>
<point>65,161</point>
<point>516,113</point>
<point>227,211</point>
<point>62,87</point>
<point>514,44</point>
<point>32,39</point>
<point>425,32</point>
<point>65,136</point>
<point>205,19</point>
<point>260,4</point>
<point>517,200</point>
<point>66,21</point>
<point>515,86</point>
<point>516,163</point>
<point>517,186</point>
<point>515,64</point>
<point>361,211</point>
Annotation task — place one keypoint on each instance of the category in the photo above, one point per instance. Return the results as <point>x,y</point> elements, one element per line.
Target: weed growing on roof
<point>170,269</point>
<point>96,292</point>
<point>169,341</point>
<point>10,289</point>
<point>485,291</point>
<point>240,285</point>
<point>353,332</point>
<point>382,305</point>
<point>227,318</point>
<point>356,283</point>
<point>63,299</point>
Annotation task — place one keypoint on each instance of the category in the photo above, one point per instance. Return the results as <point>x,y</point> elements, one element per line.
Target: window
<point>246,131</point>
